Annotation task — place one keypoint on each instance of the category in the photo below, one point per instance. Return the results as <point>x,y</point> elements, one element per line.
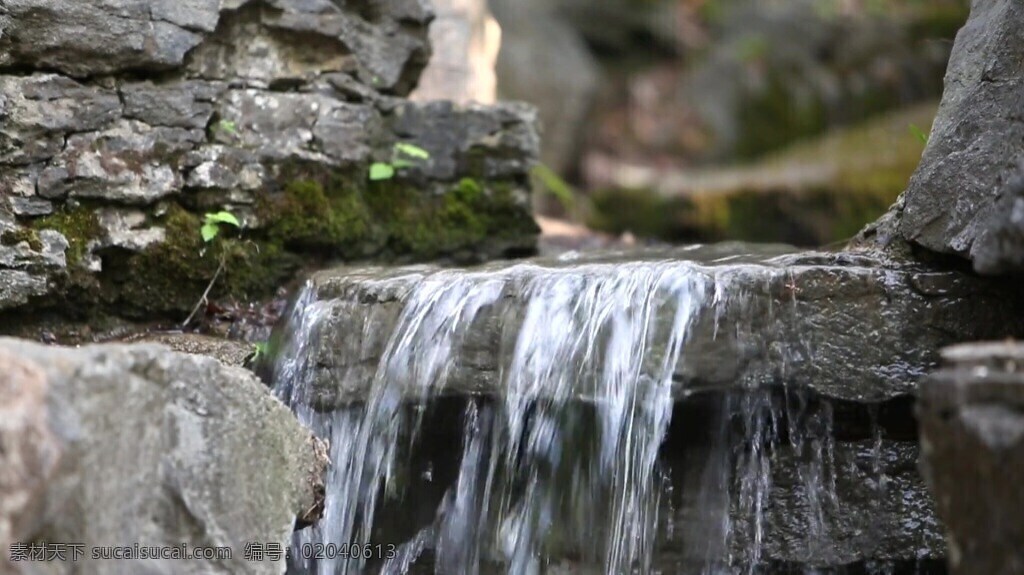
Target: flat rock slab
<point>849,326</point>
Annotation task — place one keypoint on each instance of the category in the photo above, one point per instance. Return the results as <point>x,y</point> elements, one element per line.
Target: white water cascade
<point>564,471</point>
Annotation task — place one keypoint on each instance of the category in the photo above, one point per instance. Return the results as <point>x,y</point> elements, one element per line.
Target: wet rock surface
<point>877,509</point>
<point>972,436</point>
<point>125,122</point>
<point>135,444</point>
<point>847,326</point>
<point>961,201</point>
<point>750,483</point>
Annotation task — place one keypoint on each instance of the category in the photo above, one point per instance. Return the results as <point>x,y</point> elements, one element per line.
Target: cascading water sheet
<point>547,475</point>
<point>568,376</point>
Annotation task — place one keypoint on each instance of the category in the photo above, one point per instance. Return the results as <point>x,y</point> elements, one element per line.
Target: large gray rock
<point>972,437</point>
<point>135,444</point>
<point>1000,247</point>
<point>848,326</point>
<point>959,201</point>
<point>29,451</point>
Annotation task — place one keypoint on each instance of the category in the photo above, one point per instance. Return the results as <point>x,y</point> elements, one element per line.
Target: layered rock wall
<point>124,122</point>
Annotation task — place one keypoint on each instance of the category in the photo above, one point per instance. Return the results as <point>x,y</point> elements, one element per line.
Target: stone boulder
<point>847,326</point>
<point>972,438</point>
<point>128,121</point>
<point>964,198</point>
<point>134,444</point>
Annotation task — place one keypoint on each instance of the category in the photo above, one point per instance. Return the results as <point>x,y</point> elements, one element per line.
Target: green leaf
<point>381,171</point>
<point>223,218</point>
<point>227,126</point>
<point>919,134</point>
<point>412,151</point>
<point>209,231</point>
<point>260,350</point>
<point>400,163</point>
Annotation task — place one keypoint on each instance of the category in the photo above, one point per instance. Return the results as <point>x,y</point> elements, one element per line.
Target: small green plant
<point>212,223</point>
<point>404,155</point>
<point>919,134</point>
<point>226,126</point>
<point>259,350</point>
<point>210,230</point>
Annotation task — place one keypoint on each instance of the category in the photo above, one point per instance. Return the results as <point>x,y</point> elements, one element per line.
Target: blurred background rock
<point>701,120</point>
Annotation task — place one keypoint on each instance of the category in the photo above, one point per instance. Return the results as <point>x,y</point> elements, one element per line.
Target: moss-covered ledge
<point>318,216</point>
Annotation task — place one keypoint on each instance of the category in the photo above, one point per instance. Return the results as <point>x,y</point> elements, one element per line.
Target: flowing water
<point>567,469</point>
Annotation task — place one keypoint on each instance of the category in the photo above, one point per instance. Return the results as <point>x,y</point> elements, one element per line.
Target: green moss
<point>169,277</point>
<point>310,215</point>
<point>18,235</point>
<point>423,225</point>
<point>79,226</point>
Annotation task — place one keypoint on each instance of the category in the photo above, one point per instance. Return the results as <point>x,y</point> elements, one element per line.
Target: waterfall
<point>546,474</point>
<point>568,462</point>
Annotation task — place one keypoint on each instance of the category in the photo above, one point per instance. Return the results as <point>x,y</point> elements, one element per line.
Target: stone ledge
<point>848,326</point>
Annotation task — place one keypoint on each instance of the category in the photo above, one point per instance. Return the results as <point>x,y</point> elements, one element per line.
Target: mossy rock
<point>19,235</point>
<point>311,215</point>
<point>842,182</point>
<point>171,276</point>
<point>319,216</point>
<point>351,218</point>
<point>78,225</point>
<point>457,219</point>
